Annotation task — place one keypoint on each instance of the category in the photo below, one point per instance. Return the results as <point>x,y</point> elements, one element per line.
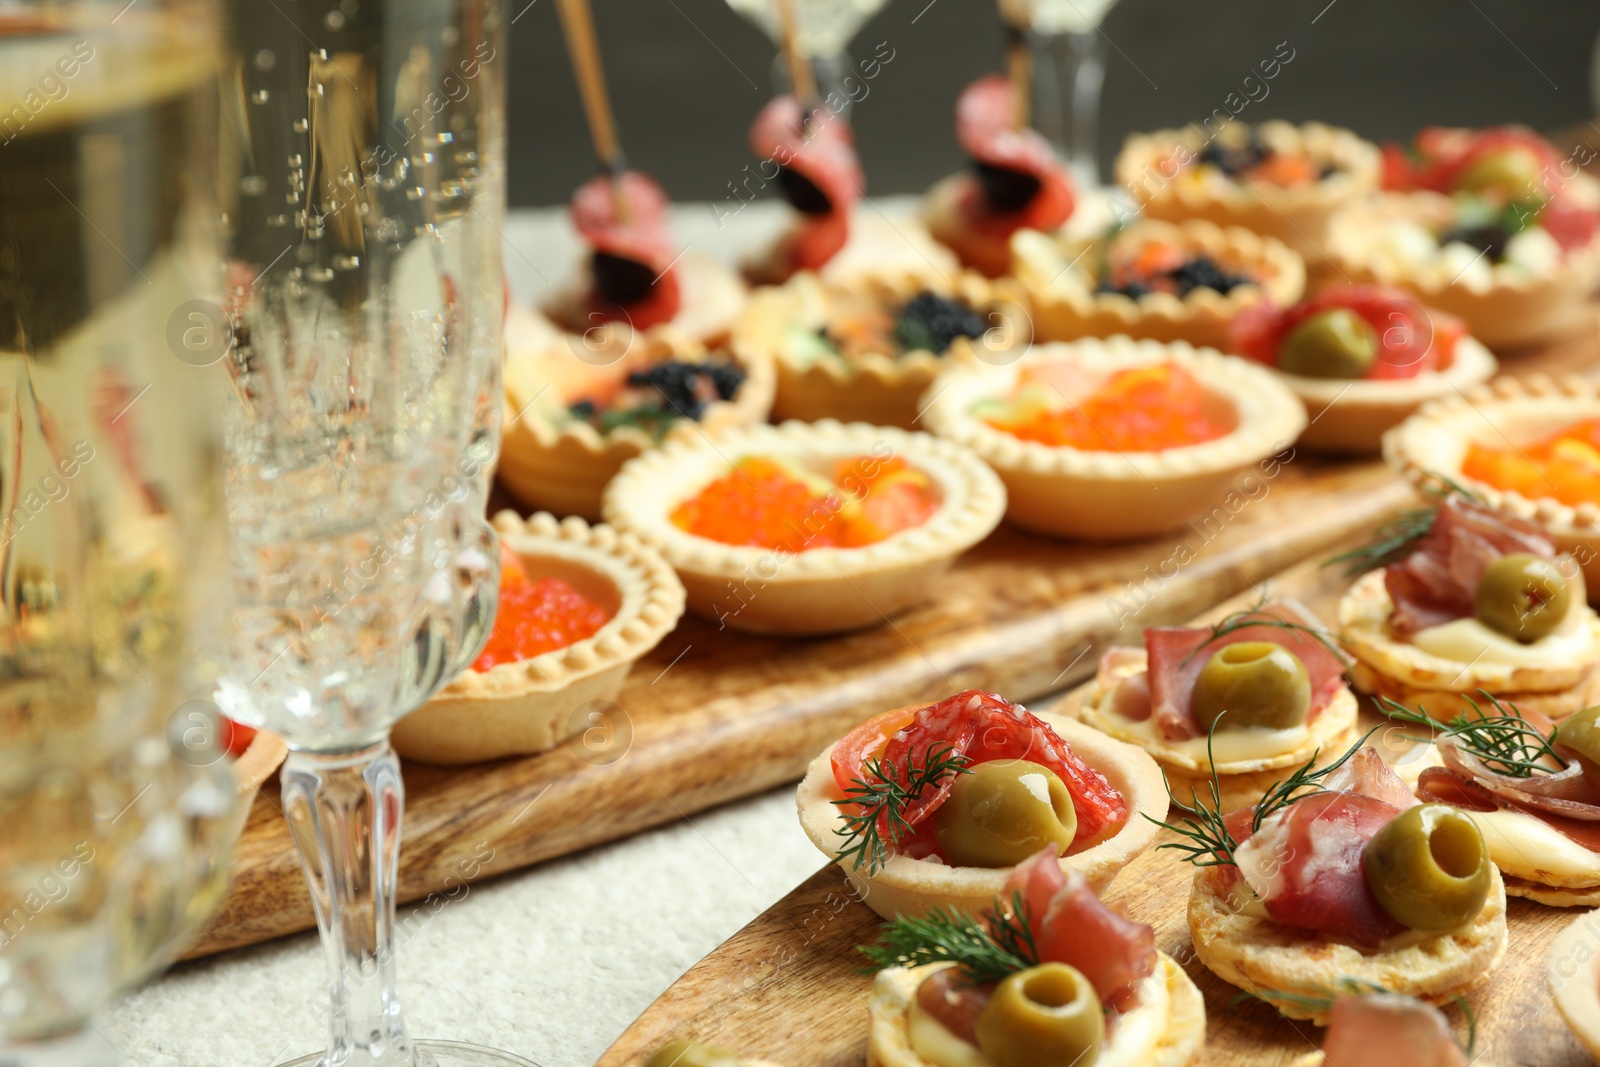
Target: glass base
<point>442,1054</point>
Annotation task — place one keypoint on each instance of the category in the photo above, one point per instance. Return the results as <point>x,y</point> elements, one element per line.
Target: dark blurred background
<point>687,76</point>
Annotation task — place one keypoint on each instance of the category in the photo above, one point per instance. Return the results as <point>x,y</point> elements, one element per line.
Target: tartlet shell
<point>564,468</point>
<point>1258,954</point>
<point>905,886</point>
<point>526,707</point>
<point>1064,309</point>
<point>1572,971</point>
<point>1351,417</point>
<point>821,590</point>
<point>889,1044</point>
<point>1299,216</point>
<point>1433,442</point>
<point>712,295</point>
<point>1117,496</point>
<point>1514,310</point>
<point>878,388</point>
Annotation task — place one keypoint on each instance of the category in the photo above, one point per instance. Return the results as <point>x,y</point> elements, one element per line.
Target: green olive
<point>1046,1016</point>
<point>1337,343</point>
<point>1002,812</point>
<point>1429,868</point>
<point>1581,733</point>
<point>1523,597</point>
<point>1515,171</point>
<point>1257,683</point>
<point>691,1054</point>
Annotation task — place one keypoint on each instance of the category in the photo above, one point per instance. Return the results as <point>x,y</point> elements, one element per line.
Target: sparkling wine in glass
<point>113,559</point>
<point>1069,72</point>
<point>364,187</point>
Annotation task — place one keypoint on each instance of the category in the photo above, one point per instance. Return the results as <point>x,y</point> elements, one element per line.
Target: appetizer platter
<point>798,985</point>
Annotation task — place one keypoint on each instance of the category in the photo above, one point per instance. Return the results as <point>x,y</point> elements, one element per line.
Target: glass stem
<point>344,814</point>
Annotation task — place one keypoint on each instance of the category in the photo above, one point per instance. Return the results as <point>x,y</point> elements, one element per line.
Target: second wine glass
<point>367,186</point>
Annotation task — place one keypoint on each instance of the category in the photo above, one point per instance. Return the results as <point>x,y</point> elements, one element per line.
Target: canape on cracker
<point>1259,691</point>
<point>1532,788</point>
<point>933,806</point>
<point>1340,874</point>
<point>1467,601</point>
<point>1046,976</point>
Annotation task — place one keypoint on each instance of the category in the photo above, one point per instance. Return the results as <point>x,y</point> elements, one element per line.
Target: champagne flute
<point>1069,72</point>
<point>112,542</point>
<point>365,186</point>
<point>824,30</point>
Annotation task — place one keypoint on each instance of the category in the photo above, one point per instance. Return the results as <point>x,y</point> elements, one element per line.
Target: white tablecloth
<point>553,962</point>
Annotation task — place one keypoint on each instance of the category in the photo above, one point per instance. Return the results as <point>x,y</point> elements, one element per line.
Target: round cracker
<point>1258,954</point>
<point>1333,722</point>
<point>1443,705</point>
<point>1364,631</point>
<point>889,1043</point>
<point>1573,972</point>
<point>1554,896</point>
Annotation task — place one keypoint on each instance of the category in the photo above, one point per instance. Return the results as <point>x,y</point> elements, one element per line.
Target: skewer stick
<point>800,74</point>
<point>1019,63</point>
<point>577,22</point>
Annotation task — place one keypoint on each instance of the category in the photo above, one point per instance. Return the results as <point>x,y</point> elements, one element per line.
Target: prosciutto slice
<point>821,150</point>
<point>987,132</point>
<point>1386,1030</point>
<point>1178,653</point>
<point>1438,582</point>
<point>638,233</point>
<point>1307,864</point>
<point>1566,799</point>
<point>1070,925</point>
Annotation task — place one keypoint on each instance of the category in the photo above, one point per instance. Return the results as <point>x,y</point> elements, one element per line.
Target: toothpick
<point>800,74</point>
<point>577,22</point>
<point>1019,63</point>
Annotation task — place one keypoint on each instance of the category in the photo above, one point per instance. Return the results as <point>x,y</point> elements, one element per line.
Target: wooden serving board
<point>789,986</point>
<point>712,716</point>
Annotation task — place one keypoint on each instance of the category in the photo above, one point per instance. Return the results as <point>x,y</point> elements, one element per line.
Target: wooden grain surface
<point>788,987</point>
<point>711,716</point>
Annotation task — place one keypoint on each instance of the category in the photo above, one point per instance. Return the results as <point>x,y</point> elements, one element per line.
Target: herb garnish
<point>878,801</point>
<point>1506,742</point>
<point>1206,839</point>
<point>987,948</point>
<point>1255,615</point>
<point>1397,538</point>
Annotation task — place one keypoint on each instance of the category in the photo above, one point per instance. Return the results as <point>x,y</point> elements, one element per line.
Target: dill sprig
<point>1206,840</point>
<point>1255,615</point>
<point>987,948</point>
<point>876,804</point>
<point>1397,538</point>
<point>1506,742</point>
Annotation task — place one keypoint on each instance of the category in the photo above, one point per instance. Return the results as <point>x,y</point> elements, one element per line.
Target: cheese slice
<point>1526,846</point>
<point>1227,746</point>
<point>1470,641</point>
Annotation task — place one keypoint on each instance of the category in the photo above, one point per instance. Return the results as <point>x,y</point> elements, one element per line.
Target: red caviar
<point>536,616</point>
<point>764,503</point>
<point>1142,409</point>
<point>1564,466</point>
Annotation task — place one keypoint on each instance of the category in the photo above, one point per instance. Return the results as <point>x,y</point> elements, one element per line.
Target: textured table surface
<point>551,963</point>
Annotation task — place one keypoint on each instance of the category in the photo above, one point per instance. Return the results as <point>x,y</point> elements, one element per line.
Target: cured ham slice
<point>638,244</point>
<point>1038,192</point>
<point>1567,799</point>
<point>1384,1030</point>
<point>1438,582</point>
<point>1178,653</point>
<point>1367,773</point>
<point>820,172</point>
<point>1307,864</point>
<point>1070,925</point>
